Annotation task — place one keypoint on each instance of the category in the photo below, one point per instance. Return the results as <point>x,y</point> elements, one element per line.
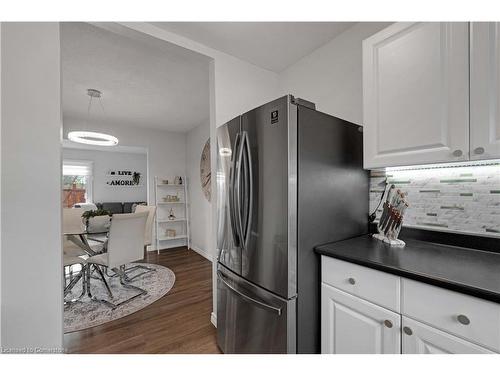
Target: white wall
<point>166,150</point>
<point>199,207</point>
<point>331,76</point>
<point>103,162</point>
<point>31,186</point>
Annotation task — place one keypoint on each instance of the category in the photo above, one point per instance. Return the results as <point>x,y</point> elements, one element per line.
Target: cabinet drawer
<point>378,287</point>
<point>469,317</point>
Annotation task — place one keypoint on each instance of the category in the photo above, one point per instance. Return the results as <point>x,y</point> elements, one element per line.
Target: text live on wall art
<point>124,178</point>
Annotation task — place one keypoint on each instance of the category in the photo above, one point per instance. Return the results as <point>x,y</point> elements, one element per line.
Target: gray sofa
<point>118,207</point>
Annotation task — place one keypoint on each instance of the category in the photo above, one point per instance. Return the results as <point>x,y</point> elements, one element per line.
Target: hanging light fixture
<point>93,138</point>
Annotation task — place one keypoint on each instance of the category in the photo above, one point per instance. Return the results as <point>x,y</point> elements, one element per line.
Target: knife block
<point>392,242</point>
<point>389,226</point>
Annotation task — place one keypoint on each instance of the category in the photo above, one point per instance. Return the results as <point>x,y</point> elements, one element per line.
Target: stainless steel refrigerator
<point>288,178</point>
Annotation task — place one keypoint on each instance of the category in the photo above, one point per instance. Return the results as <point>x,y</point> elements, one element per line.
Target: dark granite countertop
<point>469,271</point>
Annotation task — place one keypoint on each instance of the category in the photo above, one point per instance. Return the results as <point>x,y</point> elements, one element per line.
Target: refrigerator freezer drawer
<point>252,320</point>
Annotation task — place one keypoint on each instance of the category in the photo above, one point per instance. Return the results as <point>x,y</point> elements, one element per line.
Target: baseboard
<point>202,252</point>
<point>213,319</point>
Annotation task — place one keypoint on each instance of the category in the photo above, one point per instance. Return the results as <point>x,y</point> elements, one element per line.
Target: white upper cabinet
<point>485,91</point>
<point>416,94</point>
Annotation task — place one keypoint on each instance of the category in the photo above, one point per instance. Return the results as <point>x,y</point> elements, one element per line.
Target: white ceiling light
<point>93,138</point>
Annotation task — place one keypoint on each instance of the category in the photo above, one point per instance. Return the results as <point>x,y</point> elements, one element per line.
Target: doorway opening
<point>156,100</point>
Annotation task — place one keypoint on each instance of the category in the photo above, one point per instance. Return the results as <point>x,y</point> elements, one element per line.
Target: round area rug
<point>87,313</point>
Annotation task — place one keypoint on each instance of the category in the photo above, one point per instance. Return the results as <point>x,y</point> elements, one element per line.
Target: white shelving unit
<point>181,211</point>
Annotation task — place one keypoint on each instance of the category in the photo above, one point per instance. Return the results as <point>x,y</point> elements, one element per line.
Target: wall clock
<point>206,171</point>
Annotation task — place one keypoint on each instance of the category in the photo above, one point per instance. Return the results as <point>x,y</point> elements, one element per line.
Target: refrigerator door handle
<point>249,202</point>
<point>232,184</point>
<point>277,310</point>
<point>239,227</point>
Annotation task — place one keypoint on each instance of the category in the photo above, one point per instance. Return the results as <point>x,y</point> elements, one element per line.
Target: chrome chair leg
<point>103,279</point>
<point>125,283</point>
<point>88,291</point>
<point>73,281</point>
<point>138,266</point>
<point>65,279</point>
<point>121,273</point>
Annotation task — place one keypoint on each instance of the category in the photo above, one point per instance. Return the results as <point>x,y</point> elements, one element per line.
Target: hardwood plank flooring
<point>179,322</point>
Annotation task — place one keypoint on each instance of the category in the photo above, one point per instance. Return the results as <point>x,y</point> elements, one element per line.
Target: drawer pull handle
<point>408,331</point>
<point>388,323</point>
<point>479,150</point>
<point>457,153</point>
<point>463,320</point>
<point>351,281</point>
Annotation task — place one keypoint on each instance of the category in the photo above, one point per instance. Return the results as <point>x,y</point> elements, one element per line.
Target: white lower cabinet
<point>419,338</point>
<point>351,325</point>
<point>425,320</point>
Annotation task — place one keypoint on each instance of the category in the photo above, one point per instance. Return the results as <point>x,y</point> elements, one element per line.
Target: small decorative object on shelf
<point>391,219</point>
<point>176,180</point>
<point>170,232</point>
<point>171,198</point>
<point>165,182</point>
<point>171,215</point>
<point>180,180</point>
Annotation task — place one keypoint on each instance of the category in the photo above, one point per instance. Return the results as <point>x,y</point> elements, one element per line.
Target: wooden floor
<point>179,322</point>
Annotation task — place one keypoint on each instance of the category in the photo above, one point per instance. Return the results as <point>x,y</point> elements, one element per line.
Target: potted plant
<point>97,221</point>
<point>136,177</point>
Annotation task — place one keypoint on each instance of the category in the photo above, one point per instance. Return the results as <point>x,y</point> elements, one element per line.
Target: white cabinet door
<point>485,90</point>
<point>416,94</point>
<point>350,325</point>
<point>419,338</point>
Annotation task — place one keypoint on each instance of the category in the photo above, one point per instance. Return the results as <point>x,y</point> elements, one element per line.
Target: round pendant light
<point>89,137</point>
<point>93,138</point>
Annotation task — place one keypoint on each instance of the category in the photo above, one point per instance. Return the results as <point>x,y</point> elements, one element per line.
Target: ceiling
<point>270,45</point>
<point>143,84</point>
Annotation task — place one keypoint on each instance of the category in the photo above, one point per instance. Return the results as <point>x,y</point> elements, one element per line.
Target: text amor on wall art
<point>123,178</point>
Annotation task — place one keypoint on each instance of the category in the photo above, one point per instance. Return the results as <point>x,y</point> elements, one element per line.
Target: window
<point>77,182</point>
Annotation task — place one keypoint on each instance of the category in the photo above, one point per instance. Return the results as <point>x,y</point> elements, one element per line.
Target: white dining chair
<point>72,254</point>
<point>74,226</point>
<point>148,239</point>
<point>148,232</point>
<point>70,280</point>
<point>72,220</point>
<point>125,245</point>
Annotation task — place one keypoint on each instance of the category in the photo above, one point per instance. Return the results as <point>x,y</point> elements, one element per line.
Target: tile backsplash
<point>449,198</point>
